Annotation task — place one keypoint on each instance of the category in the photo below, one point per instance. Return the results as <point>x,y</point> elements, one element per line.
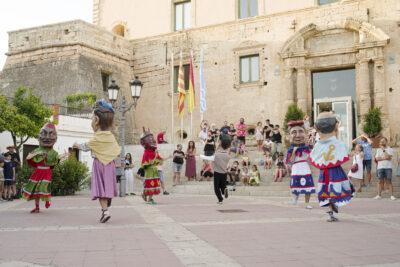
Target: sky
<point>19,14</point>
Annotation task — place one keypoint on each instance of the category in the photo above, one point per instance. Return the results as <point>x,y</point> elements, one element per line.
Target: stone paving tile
<point>368,206</point>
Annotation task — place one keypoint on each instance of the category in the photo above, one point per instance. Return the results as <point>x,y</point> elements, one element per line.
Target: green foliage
<point>69,176</point>
<point>372,122</point>
<point>293,113</point>
<point>81,100</point>
<point>24,116</point>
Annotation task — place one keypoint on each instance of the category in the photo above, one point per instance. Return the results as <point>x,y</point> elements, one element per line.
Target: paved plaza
<point>185,230</point>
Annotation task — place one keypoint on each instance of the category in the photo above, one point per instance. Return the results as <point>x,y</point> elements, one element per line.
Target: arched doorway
<point>314,53</point>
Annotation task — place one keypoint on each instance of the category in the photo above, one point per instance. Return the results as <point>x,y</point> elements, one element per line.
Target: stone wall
<point>224,43</point>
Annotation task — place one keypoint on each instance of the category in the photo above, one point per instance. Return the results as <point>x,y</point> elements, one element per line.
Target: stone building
<point>259,56</point>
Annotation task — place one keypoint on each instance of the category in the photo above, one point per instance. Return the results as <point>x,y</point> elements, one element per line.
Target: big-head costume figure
<point>297,157</point>
<point>150,161</point>
<point>328,155</point>
<point>43,159</point>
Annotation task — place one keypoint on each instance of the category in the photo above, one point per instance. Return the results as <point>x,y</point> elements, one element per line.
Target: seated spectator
<point>245,174</point>
<point>280,170</point>
<point>161,138</point>
<point>267,160</point>
<point>233,173</point>
<point>206,171</point>
<point>255,176</point>
<point>267,145</point>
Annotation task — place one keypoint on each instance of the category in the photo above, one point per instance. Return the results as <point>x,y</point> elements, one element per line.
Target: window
<point>325,2</point>
<point>249,69</point>
<point>105,80</point>
<point>182,15</point>
<point>248,8</point>
<point>186,75</point>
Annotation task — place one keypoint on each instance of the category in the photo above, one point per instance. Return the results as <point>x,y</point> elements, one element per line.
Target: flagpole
<point>191,113</point>
<point>172,99</point>
<point>180,65</point>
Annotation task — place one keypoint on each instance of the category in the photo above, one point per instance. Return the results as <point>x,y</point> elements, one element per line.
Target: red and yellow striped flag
<point>181,91</point>
<point>191,100</point>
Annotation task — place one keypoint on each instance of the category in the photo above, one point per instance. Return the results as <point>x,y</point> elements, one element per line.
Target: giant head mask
<point>327,124</point>
<point>48,135</point>
<point>147,140</point>
<point>297,132</point>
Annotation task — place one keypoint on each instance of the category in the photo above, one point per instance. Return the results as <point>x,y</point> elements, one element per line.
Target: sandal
<point>35,210</point>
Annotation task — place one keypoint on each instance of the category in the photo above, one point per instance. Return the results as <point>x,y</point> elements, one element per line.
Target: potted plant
<point>373,125</point>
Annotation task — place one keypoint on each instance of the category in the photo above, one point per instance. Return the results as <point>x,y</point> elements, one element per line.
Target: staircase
<point>275,189</point>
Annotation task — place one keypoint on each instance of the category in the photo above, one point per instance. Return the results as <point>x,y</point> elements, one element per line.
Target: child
<point>245,174</point>
<point>177,162</point>
<point>255,176</point>
<point>384,156</point>
<point>280,170</point>
<point>268,160</point>
<point>9,176</point>
<point>150,160</point>
<point>301,181</point>
<point>334,188</point>
<point>356,171</point>
<point>267,145</point>
<point>206,171</point>
<point>234,173</point>
<point>221,161</point>
<point>104,150</point>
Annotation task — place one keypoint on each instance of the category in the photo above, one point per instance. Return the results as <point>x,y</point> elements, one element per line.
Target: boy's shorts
<point>8,182</point>
<point>161,175</point>
<point>367,163</point>
<point>177,167</point>
<point>384,174</point>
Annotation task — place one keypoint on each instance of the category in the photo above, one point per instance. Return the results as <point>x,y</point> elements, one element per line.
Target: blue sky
<point>18,14</point>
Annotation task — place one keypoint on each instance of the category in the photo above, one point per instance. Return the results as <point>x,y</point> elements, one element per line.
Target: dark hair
<point>225,141</point>
<point>130,157</point>
<point>326,125</point>
<point>191,142</point>
<point>277,126</point>
<point>106,118</point>
<point>255,166</point>
<point>7,154</point>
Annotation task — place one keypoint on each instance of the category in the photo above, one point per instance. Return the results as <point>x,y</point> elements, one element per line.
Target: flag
<point>181,90</point>
<point>203,104</point>
<point>191,100</point>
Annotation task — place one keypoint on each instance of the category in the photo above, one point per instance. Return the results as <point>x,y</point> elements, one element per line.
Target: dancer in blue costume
<point>328,155</point>
<point>297,158</point>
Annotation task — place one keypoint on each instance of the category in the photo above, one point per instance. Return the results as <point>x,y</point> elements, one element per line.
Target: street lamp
<point>113,89</point>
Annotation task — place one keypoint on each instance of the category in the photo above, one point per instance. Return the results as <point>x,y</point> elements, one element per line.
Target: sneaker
<point>378,197</point>
<point>105,217</point>
<point>166,193</point>
<point>226,192</point>
<point>220,202</point>
<point>309,207</point>
<point>393,198</point>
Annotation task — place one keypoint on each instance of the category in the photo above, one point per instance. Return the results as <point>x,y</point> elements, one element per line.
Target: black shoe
<point>334,208</point>
<point>109,202</point>
<point>166,193</point>
<point>226,192</point>
<point>133,194</point>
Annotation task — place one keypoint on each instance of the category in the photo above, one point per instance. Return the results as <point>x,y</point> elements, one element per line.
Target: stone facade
<point>292,43</point>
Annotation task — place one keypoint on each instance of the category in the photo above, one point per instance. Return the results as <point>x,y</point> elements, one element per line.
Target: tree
<point>293,113</point>
<point>23,116</point>
<point>372,122</point>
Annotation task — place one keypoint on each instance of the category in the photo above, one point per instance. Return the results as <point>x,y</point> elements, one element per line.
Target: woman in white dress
<point>259,136</point>
<point>356,174</point>
<point>130,182</point>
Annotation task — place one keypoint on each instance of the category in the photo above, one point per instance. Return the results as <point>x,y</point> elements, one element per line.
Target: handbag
<point>354,168</point>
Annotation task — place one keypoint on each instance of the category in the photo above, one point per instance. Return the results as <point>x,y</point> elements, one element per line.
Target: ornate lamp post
<point>113,89</point>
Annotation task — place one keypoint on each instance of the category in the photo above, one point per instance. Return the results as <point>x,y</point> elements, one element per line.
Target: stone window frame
<point>237,10</point>
<point>248,51</point>
<point>250,68</point>
<point>173,17</point>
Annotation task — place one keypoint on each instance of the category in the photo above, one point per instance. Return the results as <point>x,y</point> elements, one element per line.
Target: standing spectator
<point>225,129</point>
<point>366,144</point>
<point>384,156</point>
<point>17,162</point>
<point>190,172</point>
<point>221,161</point>
<point>161,138</point>
<point>232,130</point>
<point>259,136</point>
<point>119,170</point>
<point>161,173</point>
<point>356,171</point>
<point>235,145</point>
<point>214,131</point>
<point>307,122</point>
<point>177,161</point>
<point>203,135</point>
<point>9,176</point>
<point>267,129</point>
<point>209,147</point>
<point>241,131</point>
<point>130,181</point>
<point>276,138</point>
<point>1,178</point>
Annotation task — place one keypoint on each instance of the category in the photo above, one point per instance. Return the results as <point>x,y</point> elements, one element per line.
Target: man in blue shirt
<point>366,143</point>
